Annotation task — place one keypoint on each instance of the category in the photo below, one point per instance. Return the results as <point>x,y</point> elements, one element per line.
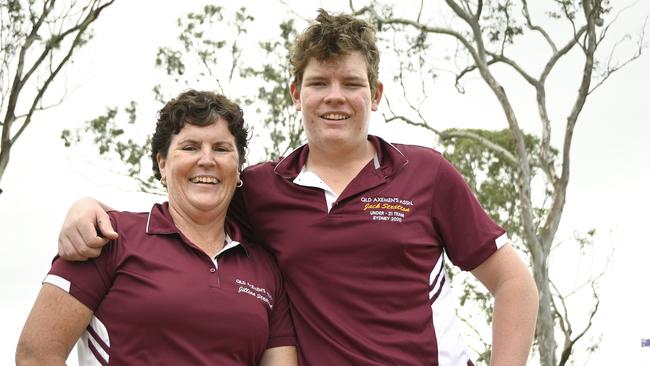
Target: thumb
<point>104,226</point>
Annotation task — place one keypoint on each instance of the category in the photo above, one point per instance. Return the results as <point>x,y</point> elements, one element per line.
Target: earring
<point>240,183</point>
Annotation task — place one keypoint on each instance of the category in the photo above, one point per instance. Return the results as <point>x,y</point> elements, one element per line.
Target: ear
<point>161,164</point>
<point>295,95</point>
<point>376,98</point>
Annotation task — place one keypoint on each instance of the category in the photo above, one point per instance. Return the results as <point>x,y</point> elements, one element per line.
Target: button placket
<point>214,274</point>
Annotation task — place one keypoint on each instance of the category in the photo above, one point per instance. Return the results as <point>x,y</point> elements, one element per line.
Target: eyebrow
<point>359,79</point>
<point>195,141</point>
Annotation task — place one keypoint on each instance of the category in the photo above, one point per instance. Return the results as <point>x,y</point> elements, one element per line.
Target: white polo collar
<point>307,178</point>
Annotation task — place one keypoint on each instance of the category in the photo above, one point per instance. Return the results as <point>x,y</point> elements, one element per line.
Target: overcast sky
<point>608,190</point>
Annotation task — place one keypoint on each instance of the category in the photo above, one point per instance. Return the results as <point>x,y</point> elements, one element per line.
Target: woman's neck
<point>205,231</point>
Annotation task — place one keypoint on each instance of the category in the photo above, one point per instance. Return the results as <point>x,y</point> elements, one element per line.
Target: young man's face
<point>336,101</point>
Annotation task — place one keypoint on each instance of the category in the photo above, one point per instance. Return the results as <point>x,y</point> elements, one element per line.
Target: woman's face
<point>201,169</point>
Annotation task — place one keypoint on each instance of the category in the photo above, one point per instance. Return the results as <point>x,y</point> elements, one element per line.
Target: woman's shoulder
<point>128,218</point>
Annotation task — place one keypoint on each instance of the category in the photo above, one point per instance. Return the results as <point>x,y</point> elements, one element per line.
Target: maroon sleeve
<point>281,331</point>
<point>87,281</point>
<point>468,233</point>
<point>237,212</point>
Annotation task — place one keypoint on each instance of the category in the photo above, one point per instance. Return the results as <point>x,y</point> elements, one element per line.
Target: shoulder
<point>421,158</point>
<point>260,255</point>
<point>263,260</point>
<point>126,220</point>
<point>418,152</point>
<point>263,168</point>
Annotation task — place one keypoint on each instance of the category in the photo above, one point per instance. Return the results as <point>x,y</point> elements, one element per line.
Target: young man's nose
<point>334,93</point>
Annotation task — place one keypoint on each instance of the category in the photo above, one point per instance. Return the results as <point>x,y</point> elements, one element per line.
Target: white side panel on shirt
<point>451,346</point>
<point>86,355</point>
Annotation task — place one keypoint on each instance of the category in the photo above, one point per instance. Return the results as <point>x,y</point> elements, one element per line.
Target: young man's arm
<point>86,229</point>
<point>515,306</point>
<point>280,356</point>
<point>52,328</point>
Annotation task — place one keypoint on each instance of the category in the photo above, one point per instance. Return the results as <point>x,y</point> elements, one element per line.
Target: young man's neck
<point>338,166</point>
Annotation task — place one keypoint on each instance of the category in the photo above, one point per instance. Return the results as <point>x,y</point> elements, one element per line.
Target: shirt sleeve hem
<point>483,253</point>
<point>282,341</point>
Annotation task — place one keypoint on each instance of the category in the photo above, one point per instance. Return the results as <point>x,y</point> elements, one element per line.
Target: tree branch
<point>612,69</point>
<point>559,192</point>
<point>569,343</point>
<point>536,28</point>
<point>497,149</point>
<point>422,28</point>
<point>82,27</point>
<point>501,58</point>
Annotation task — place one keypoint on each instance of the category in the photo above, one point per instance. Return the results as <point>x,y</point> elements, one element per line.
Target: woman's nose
<point>207,157</point>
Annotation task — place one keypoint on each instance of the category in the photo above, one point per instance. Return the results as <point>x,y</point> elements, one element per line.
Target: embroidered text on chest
<point>260,293</point>
<point>393,209</point>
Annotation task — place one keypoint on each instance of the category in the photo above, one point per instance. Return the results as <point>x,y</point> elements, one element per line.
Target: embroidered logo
<point>260,293</point>
<point>393,209</point>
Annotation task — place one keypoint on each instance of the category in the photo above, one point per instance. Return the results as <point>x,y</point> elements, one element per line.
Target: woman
<point>139,303</point>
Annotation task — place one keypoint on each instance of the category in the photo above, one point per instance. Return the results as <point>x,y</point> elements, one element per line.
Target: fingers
<point>86,229</point>
<point>104,227</point>
<point>68,250</point>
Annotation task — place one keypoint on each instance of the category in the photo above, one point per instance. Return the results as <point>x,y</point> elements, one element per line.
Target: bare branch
<point>423,28</point>
<point>42,108</point>
<point>497,149</point>
<point>57,38</point>
<point>562,316</point>
<point>417,19</point>
<point>560,53</point>
<point>501,58</point>
<point>479,53</point>
<point>611,69</point>
<point>536,28</point>
<point>568,347</point>
<point>559,193</point>
<point>81,28</point>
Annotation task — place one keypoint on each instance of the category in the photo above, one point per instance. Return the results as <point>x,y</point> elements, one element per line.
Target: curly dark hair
<point>332,36</point>
<point>198,108</point>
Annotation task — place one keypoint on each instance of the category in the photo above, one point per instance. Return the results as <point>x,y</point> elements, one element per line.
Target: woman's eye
<point>189,148</point>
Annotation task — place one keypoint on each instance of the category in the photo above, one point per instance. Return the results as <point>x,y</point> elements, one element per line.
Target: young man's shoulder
<point>417,152</point>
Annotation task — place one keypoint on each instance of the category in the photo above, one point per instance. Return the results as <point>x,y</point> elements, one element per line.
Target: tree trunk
<point>545,325</point>
<point>4,160</point>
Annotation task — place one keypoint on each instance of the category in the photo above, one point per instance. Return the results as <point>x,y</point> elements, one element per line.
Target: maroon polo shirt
<point>366,279</point>
<point>160,300</point>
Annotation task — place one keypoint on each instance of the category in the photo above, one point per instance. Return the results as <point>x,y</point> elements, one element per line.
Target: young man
<point>359,226</point>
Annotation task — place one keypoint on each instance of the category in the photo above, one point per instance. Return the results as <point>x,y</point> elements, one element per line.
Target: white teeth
<point>335,116</point>
<point>207,180</point>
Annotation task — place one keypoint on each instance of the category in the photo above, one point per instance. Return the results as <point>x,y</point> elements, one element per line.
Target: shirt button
<point>212,270</point>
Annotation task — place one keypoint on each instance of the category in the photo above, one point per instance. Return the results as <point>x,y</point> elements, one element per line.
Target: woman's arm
<point>280,356</point>
<point>52,328</point>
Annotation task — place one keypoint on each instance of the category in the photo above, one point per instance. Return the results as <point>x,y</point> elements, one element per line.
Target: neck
<point>205,231</point>
<point>338,167</point>
<point>340,157</point>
